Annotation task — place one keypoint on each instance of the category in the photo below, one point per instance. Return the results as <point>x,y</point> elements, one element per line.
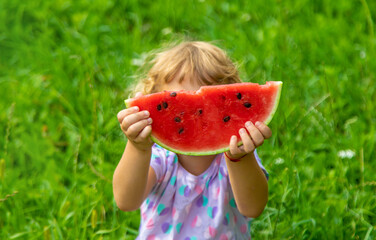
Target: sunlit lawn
<point>64,70</point>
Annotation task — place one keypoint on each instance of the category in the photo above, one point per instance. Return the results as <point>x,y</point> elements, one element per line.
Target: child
<point>190,197</point>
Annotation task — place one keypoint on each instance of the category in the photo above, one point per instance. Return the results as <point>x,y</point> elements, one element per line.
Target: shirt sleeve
<point>158,161</point>
<point>260,164</point>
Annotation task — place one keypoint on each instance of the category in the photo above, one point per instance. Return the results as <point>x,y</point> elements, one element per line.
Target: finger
<point>265,130</point>
<point>241,148</point>
<point>138,94</point>
<point>254,132</point>
<point>234,150</point>
<point>145,133</point>
<point>134,130</point>
<point>133,118</point>
<point>247,141</point>
<point>125,112</point>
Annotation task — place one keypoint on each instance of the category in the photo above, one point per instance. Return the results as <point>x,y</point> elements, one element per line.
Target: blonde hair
<point>199,61</point>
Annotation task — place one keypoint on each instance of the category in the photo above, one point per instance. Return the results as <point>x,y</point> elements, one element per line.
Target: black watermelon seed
<point>177,119</point>
<point>181,130</point>
<point>200,111</point>
<point>226,119</point>
<point>247,105</point>
<point>165,105</point>
<point>159,107</point>
<point>173,94</point>
<point>239,95</point>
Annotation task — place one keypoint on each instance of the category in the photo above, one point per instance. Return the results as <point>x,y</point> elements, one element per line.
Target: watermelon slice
<point>202,122</point>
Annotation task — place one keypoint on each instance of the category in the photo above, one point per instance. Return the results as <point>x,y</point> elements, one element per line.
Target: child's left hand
<point>252,136</point>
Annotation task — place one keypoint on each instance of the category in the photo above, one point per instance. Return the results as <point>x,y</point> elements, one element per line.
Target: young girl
<point>190,197</point>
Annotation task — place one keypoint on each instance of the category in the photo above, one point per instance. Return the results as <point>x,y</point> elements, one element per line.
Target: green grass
<point>64,70</point>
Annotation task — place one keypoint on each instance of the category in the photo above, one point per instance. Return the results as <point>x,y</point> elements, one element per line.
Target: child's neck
<point>195,164</point>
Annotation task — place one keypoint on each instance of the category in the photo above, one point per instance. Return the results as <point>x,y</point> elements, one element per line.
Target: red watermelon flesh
<point>202,122</point>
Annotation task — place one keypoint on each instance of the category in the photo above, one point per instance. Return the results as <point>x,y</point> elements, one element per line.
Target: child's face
<point>186,84</point>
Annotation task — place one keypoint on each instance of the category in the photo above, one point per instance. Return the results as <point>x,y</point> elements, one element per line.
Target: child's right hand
<point>136,126</point>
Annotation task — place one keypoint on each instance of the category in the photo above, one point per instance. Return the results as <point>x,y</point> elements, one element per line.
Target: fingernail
<point>248,124</point>
<point>135,108</point>
<point>258,123</point>
<point>146,113</point>
<point>150,120</point>
<point>242,130</point>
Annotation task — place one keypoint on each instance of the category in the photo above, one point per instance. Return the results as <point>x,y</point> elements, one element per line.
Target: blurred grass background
<point>64,70</point>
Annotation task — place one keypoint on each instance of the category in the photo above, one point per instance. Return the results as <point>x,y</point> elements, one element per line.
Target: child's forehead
<point>186,84</point>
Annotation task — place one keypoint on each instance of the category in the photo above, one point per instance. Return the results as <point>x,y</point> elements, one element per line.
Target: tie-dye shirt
<point>188,207</point>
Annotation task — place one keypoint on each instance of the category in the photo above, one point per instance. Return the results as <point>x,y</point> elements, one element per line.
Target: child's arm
<point>133,177</point>
<point>248,181</point>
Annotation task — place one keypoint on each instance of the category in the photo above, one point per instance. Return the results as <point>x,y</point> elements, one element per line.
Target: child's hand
<point>252,136</point>
<point>136,126</point>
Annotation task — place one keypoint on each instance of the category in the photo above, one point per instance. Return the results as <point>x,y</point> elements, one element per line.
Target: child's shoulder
<point>162,156</point>
<point>159,151</point>
<point>163,161</point>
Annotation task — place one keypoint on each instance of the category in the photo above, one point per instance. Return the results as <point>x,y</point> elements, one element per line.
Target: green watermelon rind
<point>221,150</point>
<point>276,102</point>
